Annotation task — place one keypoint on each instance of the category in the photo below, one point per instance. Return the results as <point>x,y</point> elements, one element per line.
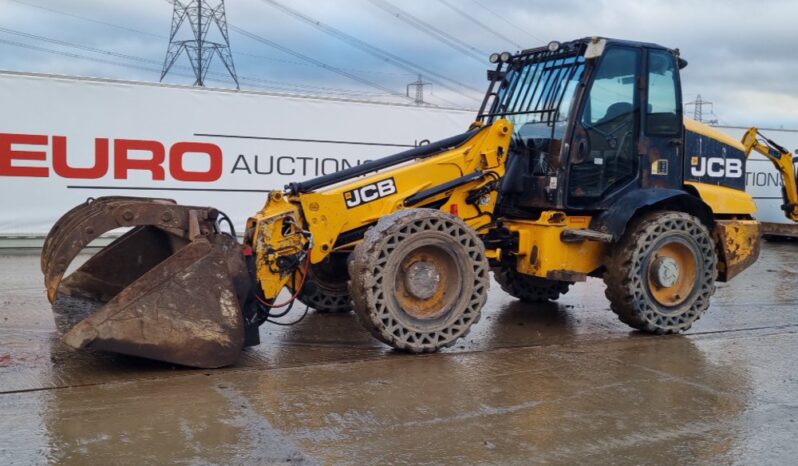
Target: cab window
<point>662,115</point>
<point>607,158</point>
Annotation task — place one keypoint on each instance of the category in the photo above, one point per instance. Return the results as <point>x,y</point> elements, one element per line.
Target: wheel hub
<point>672,273</point>
<point>422,279</point>
<point>666,271</point>
<point>427,282</point>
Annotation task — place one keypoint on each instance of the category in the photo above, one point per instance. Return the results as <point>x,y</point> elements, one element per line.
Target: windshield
<point>537,94</point>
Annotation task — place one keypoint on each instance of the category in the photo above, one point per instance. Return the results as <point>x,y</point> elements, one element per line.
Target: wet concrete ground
<point>558,383</point>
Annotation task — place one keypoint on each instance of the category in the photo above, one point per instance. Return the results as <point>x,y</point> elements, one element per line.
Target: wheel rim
<point>427,283</point>
<point>672,273</point>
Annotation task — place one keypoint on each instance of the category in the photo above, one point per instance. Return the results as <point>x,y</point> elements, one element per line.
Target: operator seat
<point>611,147</point>
<point>614,111</point>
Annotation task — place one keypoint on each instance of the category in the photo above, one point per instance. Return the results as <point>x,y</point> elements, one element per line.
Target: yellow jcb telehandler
<point>579,164</point>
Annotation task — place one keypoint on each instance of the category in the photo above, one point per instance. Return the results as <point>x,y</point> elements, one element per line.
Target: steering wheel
<point>612,140</point>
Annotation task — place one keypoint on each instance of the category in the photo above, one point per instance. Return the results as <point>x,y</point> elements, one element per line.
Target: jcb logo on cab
<point>716,167</point>
<point>370,192</point>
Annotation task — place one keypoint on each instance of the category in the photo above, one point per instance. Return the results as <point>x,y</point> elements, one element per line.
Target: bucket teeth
<point>172,286</point>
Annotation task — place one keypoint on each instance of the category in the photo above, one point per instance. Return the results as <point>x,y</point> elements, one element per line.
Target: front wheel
<point>661,275</point>
<point>419,279</point>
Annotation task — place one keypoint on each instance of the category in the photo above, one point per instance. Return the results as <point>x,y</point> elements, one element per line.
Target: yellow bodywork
<point>738,245</point>
<point>313,225</point>
<point>723,200</point>
<point>543,253</point>
<point>736,234</point>
<point>711,132</point>
<point>276,230</point>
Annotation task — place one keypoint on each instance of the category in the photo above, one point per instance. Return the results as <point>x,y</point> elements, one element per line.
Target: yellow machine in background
<point>782,159</point>
<point>579,164</point>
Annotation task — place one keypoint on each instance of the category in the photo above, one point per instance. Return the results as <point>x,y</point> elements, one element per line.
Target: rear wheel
<point>326,288</point>
<point>528,288</point>
<point>419,280</point>
<point>662,274</point>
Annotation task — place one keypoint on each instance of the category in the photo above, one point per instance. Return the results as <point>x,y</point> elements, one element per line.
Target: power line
<point>161,36</point>
<point>77,46</point>
<point>84,18</point>
<point>75,55</point>
<point>384,55</point>
<point>411,68</point>
<point>300,63</point>
<point>269,84</point>
<point>249,80</point>
<point>153,62</point>
<point>318,63</point>
<point>481,24</point>
<point>504,18</point>
<point>336,93</point>
<point>430,30</point>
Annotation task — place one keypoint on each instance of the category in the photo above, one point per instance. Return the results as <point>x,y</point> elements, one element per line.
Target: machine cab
<point>593,119</point>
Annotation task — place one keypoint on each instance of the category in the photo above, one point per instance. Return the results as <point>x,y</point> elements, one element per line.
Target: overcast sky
<point>743,54</point>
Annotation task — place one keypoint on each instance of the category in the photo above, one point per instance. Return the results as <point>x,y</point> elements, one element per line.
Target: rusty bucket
<point>172,288</point>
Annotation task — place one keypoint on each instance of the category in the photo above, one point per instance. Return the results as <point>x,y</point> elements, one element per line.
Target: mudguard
<point>615,219</point>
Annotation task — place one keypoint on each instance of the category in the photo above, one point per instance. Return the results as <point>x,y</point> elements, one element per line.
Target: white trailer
<point>765,183</point>
<point>65,139</point>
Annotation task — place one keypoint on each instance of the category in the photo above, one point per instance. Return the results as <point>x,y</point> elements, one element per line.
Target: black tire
<point>638,275</point>
<point>528,288</point>
<point>419,280</point>
<point>326,289</point>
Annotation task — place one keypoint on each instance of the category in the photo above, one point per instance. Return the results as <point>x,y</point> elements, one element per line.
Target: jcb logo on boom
<point>716,167</point>
<point>370,192</point>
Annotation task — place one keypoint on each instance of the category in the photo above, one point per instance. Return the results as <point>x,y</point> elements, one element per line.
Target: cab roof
<point>578,44</point>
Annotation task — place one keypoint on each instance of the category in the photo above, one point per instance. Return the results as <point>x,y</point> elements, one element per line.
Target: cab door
<point>662,141</point>
<point>604,157</point>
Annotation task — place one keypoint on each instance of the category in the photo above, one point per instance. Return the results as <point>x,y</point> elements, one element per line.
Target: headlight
<point>506,56</point>
<point>494,58</point>
<point>554,46</point>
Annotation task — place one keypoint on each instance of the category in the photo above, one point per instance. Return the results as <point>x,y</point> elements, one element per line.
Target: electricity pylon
<point>199,50</point>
